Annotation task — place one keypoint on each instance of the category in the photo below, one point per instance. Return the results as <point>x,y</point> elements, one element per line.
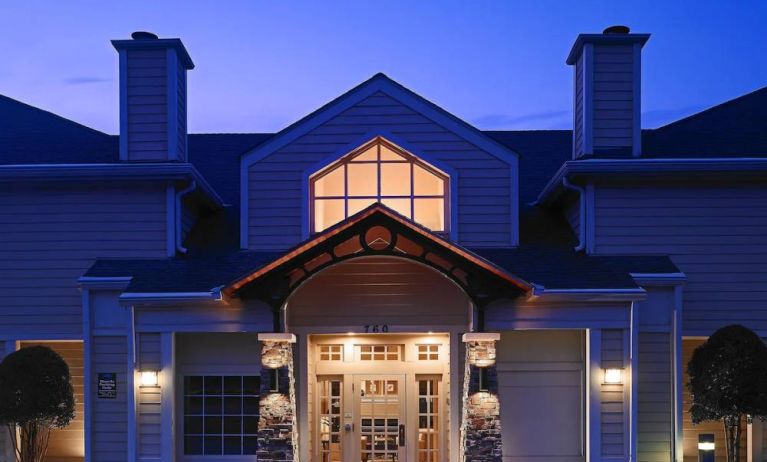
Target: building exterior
<point>380,280</point>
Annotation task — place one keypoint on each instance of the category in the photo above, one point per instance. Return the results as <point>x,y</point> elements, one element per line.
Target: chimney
<point>152,98</point>
<point>608,80</point>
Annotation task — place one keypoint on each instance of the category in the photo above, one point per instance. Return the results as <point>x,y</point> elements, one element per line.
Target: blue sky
<point>264,64</point>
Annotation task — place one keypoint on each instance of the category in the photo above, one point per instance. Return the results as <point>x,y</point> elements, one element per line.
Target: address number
<point>375,328</point>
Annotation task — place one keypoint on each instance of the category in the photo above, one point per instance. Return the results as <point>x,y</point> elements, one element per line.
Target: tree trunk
<point>736,442</point>
<point>732,432</point>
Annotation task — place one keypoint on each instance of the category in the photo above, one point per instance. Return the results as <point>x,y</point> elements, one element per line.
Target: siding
<point>148,400</point>
<point>49,236</point>
<point>613,397</point>
<point>147,111</point>
<point>613,97</point>
<point>181,147</point>
<point>110,416</point>
<point>378,290</point>
<point>656,406</point>
<point>68,444</point>
<point>578,119</point>
<point>716,234</point>
<point>275,195</point>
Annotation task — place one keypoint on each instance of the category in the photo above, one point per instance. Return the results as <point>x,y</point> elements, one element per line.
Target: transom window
<point>331,352</point>
<point>380,172</point>
<point>428,352</point>
<point>380,352</point>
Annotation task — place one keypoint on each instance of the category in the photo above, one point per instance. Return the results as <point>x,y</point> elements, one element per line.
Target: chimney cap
<point>143,35</point>
<point>616,29</point>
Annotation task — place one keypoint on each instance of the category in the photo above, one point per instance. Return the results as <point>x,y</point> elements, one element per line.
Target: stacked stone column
<point>277,424</point>
<point>481,421</point>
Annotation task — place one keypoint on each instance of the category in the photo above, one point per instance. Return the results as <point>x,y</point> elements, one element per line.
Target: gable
<point>483,172</point>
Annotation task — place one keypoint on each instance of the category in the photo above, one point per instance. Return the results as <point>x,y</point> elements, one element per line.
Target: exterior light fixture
<point>614,376</point>
<point>148,378</point>
<point>706,447</point>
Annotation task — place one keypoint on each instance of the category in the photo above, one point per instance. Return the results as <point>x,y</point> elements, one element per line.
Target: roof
<point>550,267</point>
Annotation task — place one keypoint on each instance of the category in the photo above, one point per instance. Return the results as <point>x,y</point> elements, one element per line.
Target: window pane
<point>427,183</point>
<point>331,184</point>
<point>395,179</point>
<point>388,154</point>
<point>355,205</point>
<point>430,213</point>
<point>327,212</point>
<point>369,154</point>
<point>363,179</point>
<point>401,206</point>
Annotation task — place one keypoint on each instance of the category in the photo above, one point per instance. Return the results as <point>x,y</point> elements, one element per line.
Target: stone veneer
<point>481,420</point>
<point>277,426</point>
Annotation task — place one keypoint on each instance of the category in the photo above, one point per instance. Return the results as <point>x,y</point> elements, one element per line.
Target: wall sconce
<point>613,376</point>
<point>148,378</point>
<point>706,447</point>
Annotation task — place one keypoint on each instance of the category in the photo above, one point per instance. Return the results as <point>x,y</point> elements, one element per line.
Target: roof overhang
<point>168,171</point>
<point>612,168</point>
<point>377,230</point>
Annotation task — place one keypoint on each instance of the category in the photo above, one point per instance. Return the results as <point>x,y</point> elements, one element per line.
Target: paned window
<point>331,352</point>
<point>380,352</point>
<point>428,352</point>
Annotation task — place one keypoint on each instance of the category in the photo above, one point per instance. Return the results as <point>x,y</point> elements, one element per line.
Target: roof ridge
<point>47,112</point>
<point>712,108</point>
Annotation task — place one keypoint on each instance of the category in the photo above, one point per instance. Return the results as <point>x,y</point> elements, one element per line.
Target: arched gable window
<point>381,172</point>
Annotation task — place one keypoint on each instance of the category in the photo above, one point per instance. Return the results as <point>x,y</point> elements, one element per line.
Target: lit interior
<point>380,172</point>
<point>613,376</point>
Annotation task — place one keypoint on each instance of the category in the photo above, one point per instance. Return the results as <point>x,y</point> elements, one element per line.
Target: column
<point>481,421</point>
<point>277,426</point>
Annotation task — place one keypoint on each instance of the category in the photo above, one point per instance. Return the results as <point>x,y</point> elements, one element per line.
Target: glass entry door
<point>379,432</point>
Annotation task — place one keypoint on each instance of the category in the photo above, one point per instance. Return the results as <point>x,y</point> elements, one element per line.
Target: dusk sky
<point>261,65</point>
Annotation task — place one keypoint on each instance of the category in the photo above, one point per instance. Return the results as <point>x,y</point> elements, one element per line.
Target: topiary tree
<point>728,381</point>
<point>35,396</point>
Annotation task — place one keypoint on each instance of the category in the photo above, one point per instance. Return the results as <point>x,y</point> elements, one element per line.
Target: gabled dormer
<point>379,142</point>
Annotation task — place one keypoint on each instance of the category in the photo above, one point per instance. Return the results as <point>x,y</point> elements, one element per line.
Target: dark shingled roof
<point>554,268</point>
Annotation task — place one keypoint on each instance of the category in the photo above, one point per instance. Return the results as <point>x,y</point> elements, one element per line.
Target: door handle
<point>401,435</point>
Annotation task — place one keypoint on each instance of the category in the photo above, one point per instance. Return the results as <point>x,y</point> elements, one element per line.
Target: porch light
<point>613,376</point>
<point>148,378</point>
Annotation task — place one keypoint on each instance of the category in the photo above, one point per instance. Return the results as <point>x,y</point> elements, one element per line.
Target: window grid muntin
<point>380,352</point>
<point>247,440</point>
<point>429,414</point>
<point>332,352</point>
<point>428,352</point>
<point>329,419</point>
<point>406,158</point>
<point>379,426</point>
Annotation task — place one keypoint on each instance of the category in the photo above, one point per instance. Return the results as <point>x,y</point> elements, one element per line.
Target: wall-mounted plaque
<point>107,385</point>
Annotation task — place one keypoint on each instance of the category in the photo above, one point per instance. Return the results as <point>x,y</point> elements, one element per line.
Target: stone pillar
<point>481,421</point>
<point>277,424</point>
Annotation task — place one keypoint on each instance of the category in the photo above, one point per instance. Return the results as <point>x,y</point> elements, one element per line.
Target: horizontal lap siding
<point>613,397</point>
<point>655,418</point>
<point>613,96</point>
<point>716,235</point>
<point>147,105</point>
<point>275,195</point>
<point>110,416</point>
<point>149,415</point>
<point>181,147</point>
<point>579,114</point>
<point>49,236</point>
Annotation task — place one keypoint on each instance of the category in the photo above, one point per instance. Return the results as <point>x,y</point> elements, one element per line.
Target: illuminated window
<point>428,420</point>
<point>221,414</point>
<point>380,172</point>
<point>331,402</point>
<point>428,352</point>
<point>380,352</point>
<point>331,352</point>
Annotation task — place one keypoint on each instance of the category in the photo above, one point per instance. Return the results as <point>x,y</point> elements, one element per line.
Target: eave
<point>595,168</point>
<point>166,171</point>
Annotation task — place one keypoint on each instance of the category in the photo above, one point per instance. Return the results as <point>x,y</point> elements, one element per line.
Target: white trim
<point>678,368</point>
<point>632,294</point>
<point>87,374</point>
<point>170,297</point>
<point>588,99</point>
<point>480,337</point>
<point>636,143</point>
<point>130,392</point>
<point>123,84</point>
<point>110,282</point>
<point>634,386</point>
<point>593,395</point>
<point>277,337</point>
<point>167,397</point>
